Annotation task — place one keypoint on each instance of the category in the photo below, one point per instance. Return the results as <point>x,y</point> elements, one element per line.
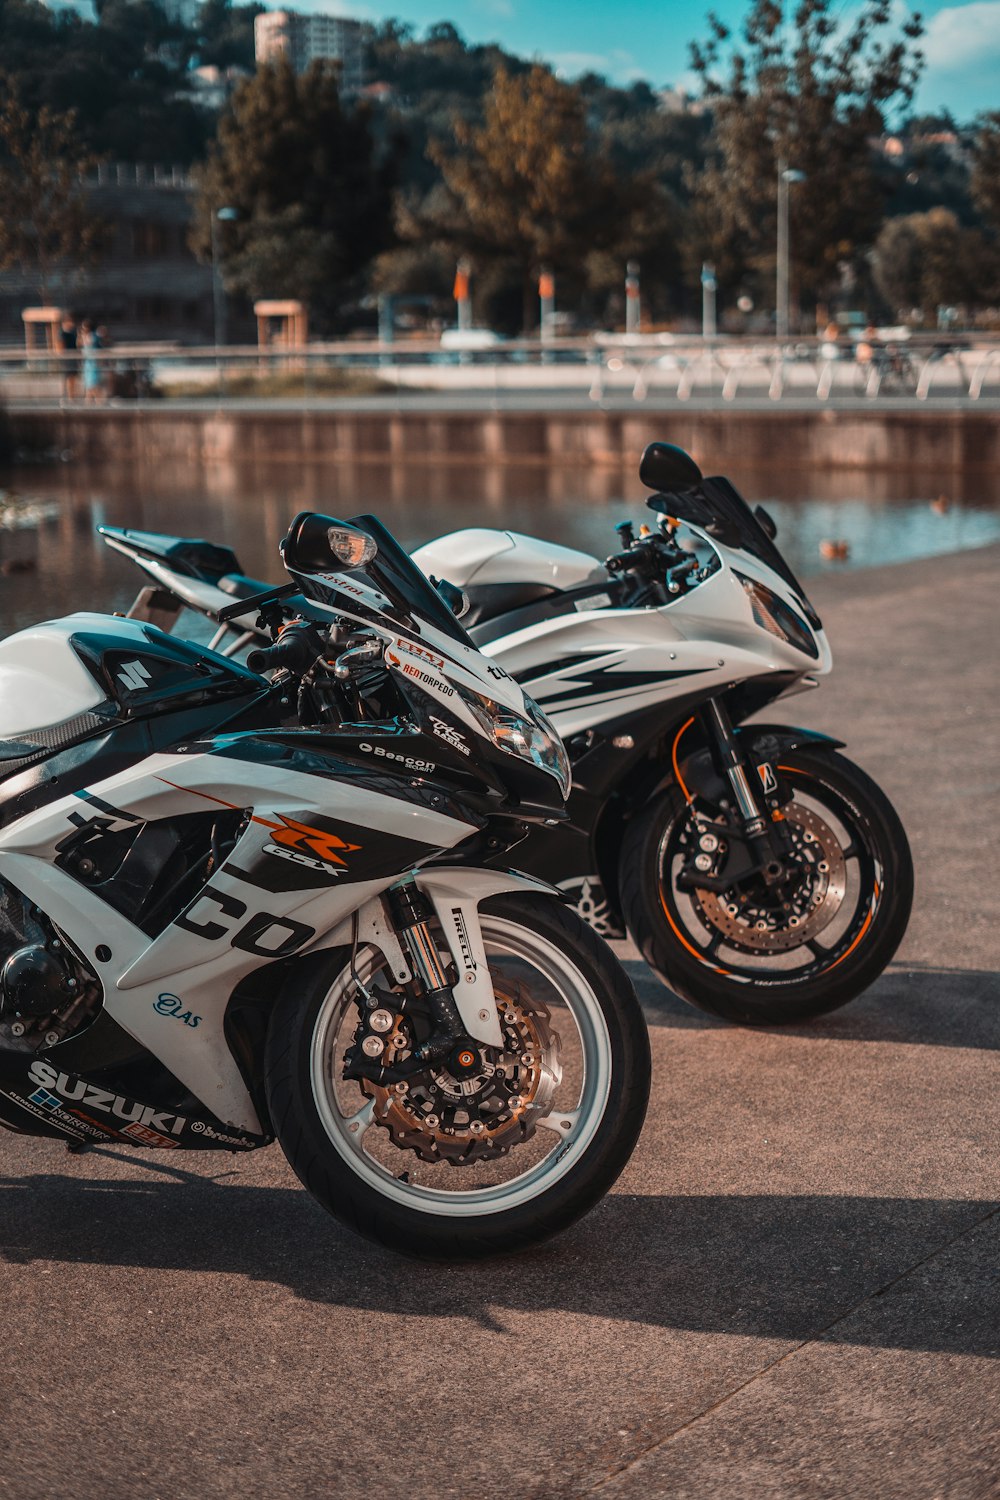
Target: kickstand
<point>77,1148</point>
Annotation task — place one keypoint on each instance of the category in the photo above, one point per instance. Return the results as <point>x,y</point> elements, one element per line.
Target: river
<point>52,562</point>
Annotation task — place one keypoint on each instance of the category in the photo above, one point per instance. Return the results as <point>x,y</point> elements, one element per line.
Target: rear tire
<point>389,1194</point>
<point>678,934</point>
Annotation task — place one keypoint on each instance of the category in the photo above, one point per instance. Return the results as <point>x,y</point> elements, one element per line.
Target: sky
<point>630,39</point>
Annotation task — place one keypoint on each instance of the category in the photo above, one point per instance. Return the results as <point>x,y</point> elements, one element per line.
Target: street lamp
<point>786,176</point>
<point>223,216</point>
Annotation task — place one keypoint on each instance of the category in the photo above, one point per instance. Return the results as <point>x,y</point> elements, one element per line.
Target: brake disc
<point>818,894</point>
<point>491,1100</point>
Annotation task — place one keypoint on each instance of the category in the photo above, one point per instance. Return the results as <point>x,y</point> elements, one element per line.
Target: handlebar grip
<point>292,650</point>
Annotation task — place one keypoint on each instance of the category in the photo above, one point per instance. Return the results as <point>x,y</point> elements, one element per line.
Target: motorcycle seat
<point>487,601</point>
<point>239,586</point>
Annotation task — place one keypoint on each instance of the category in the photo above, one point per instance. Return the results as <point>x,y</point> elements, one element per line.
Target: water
<point>56,564</point>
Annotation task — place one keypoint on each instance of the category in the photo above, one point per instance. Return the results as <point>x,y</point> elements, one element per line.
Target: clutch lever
<point>255,602</point>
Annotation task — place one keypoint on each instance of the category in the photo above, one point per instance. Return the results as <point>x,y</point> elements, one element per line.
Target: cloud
<point>618,66</point>
<point>963,36</point>
<point>498,9</point>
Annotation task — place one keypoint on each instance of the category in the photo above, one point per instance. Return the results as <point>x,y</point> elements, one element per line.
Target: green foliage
<point>530,188</point>
<point>810,91</point>
<point>929,260</point>
<point>45,220</point>
<point>311,194</point>
<point>123,77</point>
<point>225,34</point>
<point>986,170</point>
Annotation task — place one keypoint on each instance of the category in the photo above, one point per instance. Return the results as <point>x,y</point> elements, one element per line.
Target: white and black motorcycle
<point>763,876</point>
<point>235,908</point>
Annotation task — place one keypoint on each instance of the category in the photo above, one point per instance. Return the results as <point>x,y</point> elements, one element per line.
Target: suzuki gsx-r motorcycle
<point>762,875</point>
<point>236,908</point>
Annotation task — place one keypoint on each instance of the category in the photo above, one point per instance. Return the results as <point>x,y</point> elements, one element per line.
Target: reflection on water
<point>61,565</point>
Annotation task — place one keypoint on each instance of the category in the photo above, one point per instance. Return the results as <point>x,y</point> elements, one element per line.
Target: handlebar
<point>294,649</point>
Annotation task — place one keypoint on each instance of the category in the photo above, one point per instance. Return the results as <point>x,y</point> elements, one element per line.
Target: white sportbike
<point>229,915</point>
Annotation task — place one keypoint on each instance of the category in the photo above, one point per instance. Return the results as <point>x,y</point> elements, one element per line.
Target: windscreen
<point>718,501</point>
<point>396,574</point>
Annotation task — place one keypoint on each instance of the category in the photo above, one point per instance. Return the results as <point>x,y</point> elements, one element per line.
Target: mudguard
<point>456,894</point>
<point>761,742</point>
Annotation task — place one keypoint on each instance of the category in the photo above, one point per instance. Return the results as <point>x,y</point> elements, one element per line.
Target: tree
<point>311,193</point>
<point>808,92</point>
<point>929,260</point>
<point>225,34</point>
<point>528,188</point>
<point>45,221</point>
<point>986,169</point>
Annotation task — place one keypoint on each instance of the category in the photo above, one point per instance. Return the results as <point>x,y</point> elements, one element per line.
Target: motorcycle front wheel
<point>493,1157</point>
<point>759,956</point>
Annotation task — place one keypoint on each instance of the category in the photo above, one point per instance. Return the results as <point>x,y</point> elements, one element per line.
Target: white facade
<point>306,39</point>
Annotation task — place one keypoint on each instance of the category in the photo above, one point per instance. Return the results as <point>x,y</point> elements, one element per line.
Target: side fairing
<point>589,670</point>
<point>312,851</point>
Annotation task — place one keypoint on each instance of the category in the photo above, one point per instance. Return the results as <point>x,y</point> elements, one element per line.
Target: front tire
<point>461,1187</point>
<point>734,957</point>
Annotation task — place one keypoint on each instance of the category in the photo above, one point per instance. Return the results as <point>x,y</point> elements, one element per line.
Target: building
<point>306,39</point>
<point>149,285</point>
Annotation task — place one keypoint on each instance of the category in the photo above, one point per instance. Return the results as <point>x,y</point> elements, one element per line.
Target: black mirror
<point>766,522</point>
<point>456,599</point>
<point>321,544</point>
<point>667,468</point>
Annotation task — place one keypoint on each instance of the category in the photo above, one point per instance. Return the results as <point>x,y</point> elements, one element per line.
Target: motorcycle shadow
<point>766,1266</point>
<point>910,1003</point>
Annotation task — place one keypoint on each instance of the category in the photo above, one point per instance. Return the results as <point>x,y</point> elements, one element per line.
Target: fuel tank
<point>65,678</point>
<point>482,557</point>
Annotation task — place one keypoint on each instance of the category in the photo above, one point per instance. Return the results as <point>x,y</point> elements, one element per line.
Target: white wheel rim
<point>504,940</point>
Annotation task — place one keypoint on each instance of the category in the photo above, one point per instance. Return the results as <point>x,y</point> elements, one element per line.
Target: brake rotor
<point>805,910</point>
<point>492,1099</point>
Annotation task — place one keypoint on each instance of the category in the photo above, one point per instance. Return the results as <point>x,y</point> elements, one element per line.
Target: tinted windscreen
<point>395,572</point>
<point>718,501</point>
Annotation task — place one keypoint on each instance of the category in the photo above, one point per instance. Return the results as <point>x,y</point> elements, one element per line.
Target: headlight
<point>532,739</point>
<point>777,618</point>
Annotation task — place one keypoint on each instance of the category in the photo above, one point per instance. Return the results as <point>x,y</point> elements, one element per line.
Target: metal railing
<point>625,370</point>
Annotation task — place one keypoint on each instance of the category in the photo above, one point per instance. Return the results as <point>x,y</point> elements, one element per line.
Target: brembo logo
<point>78,1091</point>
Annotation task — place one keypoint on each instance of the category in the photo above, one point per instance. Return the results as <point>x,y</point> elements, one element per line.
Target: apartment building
<point>306,39</point>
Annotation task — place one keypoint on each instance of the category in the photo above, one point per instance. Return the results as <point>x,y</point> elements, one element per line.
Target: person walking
<point>71,363</point>
<point>93,390</point>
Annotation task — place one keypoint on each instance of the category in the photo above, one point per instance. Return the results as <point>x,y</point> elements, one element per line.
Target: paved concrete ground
<point>790,1293</point>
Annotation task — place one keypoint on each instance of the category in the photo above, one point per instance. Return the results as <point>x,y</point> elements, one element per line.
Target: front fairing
<point>720,610</point>
<point>436,668</point>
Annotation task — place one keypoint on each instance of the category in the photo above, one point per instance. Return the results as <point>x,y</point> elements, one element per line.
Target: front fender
<point>456,893</point>
<point>760,743</point>
<point>788,738</point>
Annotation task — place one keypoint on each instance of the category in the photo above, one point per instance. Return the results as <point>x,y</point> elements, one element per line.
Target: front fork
<point>758,828</point>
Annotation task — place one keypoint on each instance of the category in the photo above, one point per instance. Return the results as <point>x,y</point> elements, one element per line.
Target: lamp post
<point>709,286</point>
<point>786,176</point>
<point>224,216</point>
<point>633,306</point>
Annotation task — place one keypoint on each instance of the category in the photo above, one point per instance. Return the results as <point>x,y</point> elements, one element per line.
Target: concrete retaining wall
<point>728,439</point>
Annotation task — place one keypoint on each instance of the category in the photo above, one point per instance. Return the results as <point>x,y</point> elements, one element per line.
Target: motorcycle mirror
<point>456,599</point>
<point>666,467</point>
<point>766,522</point>
<point>320,544</point>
